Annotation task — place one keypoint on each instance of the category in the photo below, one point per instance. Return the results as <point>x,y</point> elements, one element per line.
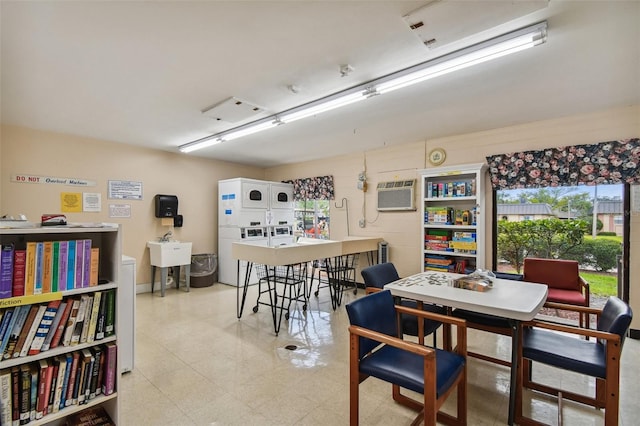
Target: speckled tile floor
<point>197,364</point>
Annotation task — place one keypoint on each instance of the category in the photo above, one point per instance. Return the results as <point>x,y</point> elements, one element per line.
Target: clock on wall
<point>437,156</point>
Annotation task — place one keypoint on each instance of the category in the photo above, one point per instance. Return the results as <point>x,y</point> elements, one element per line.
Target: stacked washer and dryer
<point>255,212</point>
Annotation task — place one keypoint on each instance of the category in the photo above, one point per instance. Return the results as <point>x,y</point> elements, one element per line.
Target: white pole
<point>594,225</point>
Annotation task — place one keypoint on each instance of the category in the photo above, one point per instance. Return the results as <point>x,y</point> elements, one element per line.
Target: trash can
<point>203,269</point>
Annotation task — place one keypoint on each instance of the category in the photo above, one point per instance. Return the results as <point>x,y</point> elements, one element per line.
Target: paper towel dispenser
<point>166,205</point>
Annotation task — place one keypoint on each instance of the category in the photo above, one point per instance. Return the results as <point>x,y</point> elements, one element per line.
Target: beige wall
<point>194,180</point>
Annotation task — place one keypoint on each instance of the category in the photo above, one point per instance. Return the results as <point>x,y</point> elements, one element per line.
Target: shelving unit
<point>106,237</point>
<point>453,210</point>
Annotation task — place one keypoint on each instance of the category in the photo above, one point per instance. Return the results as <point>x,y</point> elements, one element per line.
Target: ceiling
<point>141,73</point>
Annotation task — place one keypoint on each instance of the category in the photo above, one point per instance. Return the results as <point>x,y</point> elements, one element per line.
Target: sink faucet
<point>166,237</point>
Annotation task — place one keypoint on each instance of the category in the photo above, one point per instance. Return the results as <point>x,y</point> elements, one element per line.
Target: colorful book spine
<point>15,395</point>
<point>6,413</point>
<point>72,379</point>
<point>20,313</point>
<point>95,265</point>
<point>44,327</point>
<point>42,397</point>
<point>54,326</point>
<point>109,381</point>
<point>63,263</point>
<point>30,269</point>
<point>71,322</point>
<point>6,271</point>
<point>32,331</point>
<point>71,265</point>
<point>87,319</point>
<point>33,309</point>
<point>37,285</point>
<point>19,271</point>
<point>47,266</point>
<point>59,332</point>
<point>55,266</point>
<point>86,265</point>
<point>93,321</point>
<point>5,334</point>
<point>25,394</point>
<point>79,263</point>
<point>62,371</point>
<point>109,323</point>
<point>77,328</point>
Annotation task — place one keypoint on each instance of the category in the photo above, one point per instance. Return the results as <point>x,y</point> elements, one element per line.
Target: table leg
<point>515,340</point>
<point>245,287</point>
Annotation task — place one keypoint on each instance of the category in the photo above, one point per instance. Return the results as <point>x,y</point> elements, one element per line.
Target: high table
<point>515,300</point>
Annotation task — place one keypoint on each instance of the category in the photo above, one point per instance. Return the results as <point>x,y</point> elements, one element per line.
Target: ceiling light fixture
<point>491,49</point>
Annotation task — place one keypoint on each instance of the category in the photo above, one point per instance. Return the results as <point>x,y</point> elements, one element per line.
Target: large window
<point>312,218</point>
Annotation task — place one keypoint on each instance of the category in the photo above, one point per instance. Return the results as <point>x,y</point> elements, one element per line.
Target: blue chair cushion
<point>482,319</point>
<point>569,353</point>
<point>406,369</point>
<point>410,323</point>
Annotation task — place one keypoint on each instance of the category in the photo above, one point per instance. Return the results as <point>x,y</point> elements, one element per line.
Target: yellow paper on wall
<point>71,202</point>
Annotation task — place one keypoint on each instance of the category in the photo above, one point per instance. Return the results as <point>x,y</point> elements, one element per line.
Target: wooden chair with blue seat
<point>564,347</point>
<point>376,351</point>
<point>376,276</point>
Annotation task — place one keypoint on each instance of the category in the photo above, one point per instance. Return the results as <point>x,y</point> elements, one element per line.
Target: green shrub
<point>607,234</point>
<point>600,254</point>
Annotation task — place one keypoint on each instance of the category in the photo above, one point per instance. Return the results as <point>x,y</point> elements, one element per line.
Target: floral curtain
<point>595,164</point>
<point>313,188</point>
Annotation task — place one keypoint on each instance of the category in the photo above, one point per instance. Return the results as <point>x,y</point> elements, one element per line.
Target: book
<point>79,263</point>
<point>51,387</point>
<point>47,266</point>
<point>44,327</point>
<point>71,322</point>
<point>73,373</point>
<point>59,332</point>
<point>6,271</point>
<point>63,262</point>
<point>6,325</point>
<point>42,397</point>
<point>86,365</point>
<point>19,271</point>
<point>37,285</point>
<point>15,394</point>
<point>94,389</point>
<point>65,383</point>
<point>55,266</point>
<point>110,312</point>
<point>25,394</point>
<point>95,264</point>
<point>6,401</point>
<point>109,379</point>
<point>31,334</point>
<point>71,265</point>
<point>54,326</point>
<point>86,264</point>
<point>62,370</point>
<point>92,416</point>
<point>33,310</point>
<point>102,315</point>
<point>87,319</point>
<point>100,380</point>
<point>93,319</point>
<point>30,262</point>
<point>77,328</point>
<point>21,312</point>
<point>77,384</point>
<point>33,399</point>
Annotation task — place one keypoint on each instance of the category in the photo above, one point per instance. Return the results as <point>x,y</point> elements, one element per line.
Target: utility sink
<point>169,253</point>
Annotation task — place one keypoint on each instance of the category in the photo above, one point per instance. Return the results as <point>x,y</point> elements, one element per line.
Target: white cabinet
<point>106,238</point>
<point>127,311</point>
<point>454,218</point>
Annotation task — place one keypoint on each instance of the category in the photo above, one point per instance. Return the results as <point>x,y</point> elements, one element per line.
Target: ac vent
<point>396,195</point>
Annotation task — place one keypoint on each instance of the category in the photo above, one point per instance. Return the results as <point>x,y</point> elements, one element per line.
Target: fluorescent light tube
<point>244,131</point>
<point>317,108</point>
<point>200,144</point>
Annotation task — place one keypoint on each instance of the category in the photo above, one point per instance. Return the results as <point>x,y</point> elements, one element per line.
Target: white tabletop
<point>519,300</point>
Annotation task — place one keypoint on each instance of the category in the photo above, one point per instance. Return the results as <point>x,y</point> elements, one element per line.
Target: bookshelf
<point>96,341</point>
<point>453,210</point>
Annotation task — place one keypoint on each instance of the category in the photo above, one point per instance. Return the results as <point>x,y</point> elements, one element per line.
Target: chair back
<point>615,318</point>
<point>556,273</point>
<point>379,275</point>
<point>375,312</point>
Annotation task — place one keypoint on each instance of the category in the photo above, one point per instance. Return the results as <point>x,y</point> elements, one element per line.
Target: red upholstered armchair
<point>563,278</point>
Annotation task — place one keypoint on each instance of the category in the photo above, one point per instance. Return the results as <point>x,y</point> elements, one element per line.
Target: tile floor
<point>197,364</point>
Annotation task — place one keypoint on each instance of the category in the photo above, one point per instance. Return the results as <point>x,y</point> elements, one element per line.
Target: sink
<point>170,253</point>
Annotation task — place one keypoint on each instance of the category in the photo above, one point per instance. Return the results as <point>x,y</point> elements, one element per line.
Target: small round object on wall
<point>437,156</point>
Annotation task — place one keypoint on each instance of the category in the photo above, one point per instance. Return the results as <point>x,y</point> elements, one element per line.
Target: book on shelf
<point>61,361</point>
<point>110,312</point>
<point>8,320</point>
<point>55,266</point>
<point>37,284</point>
<point>25,394</point>
<point>33,310</point>
<point>79,263</point>
<point>92,416</point>
<point>77,384</point>
<point>71,265</point>
<point>33,399</point>
<point>63,263</point>
<point>65,382</point>
<point>86,265</point>
<point>102,315</point>
<point>19,271</point>
<point>71,322</point>
<point>95,263</point>
<point>77,328</point>
<point>109,378</point>
<point>15,395</point>
<point>42,397</point>
<point>45,325</point>
<point>73,373</point>
<point>93,319</point>
<point>46,344</point>
<point>94,387</point>
<point>32,331</point>
<point>59,331</point>
<point>100,378</point>
<point>85,382</point>
<point>47,266</point>
<point>6,414</point>
<point>20,314</point>
<point>30,268</point>
<point>87,318</point>
<point>51,387</point>
<point>6,270</point>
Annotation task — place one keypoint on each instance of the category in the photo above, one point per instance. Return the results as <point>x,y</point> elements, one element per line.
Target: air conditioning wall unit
<point>396,195</point>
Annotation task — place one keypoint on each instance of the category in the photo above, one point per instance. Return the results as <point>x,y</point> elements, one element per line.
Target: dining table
<point>516,301</point>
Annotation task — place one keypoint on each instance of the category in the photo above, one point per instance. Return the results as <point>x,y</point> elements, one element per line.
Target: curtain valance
<point>313,188</point>
<point>611,162</point>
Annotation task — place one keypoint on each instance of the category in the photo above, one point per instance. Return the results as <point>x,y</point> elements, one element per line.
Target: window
<point>312,219</point>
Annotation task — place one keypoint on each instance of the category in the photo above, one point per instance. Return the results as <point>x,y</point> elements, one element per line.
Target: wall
<point>194,180</point>
<point>402,230</point>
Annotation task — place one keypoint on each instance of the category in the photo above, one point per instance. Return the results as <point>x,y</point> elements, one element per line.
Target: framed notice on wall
<point>124,190</point>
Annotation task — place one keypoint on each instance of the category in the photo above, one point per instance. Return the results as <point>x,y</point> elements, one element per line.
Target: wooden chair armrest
<point>575,308</point>
<point>369,290</point>
<point>572,330</point>
<point>584,285</point>
<point>396,342</point>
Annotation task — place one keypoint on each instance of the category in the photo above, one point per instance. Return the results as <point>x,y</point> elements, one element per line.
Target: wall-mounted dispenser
<point>166,205</point>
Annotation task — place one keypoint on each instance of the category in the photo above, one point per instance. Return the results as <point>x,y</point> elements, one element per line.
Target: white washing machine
<point>243,202</point>
<point>227,265</point>
<point>281,205</point>
<point>280,235</point>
